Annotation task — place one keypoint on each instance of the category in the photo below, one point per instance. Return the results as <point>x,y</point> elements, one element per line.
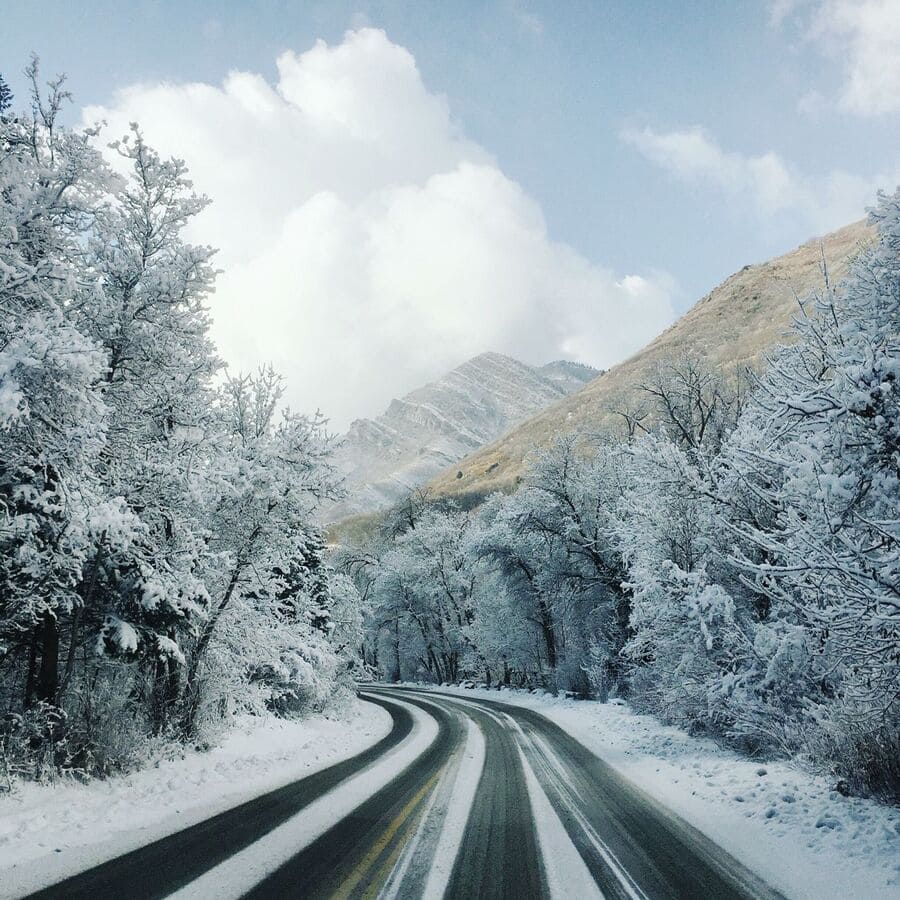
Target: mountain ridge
<point>428,429</point>
<point>732,326</point>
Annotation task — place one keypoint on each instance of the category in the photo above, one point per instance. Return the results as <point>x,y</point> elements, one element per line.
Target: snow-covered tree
<point>268,475</point>
<point>688,400</point>
<point>689,632</point>
<point>6,96</point>
<point>52,415</point>
<point>824,467</point>
<point>524,641</point>
<point>147,312</point>
<point>426,586</point>
<point>569,500</point>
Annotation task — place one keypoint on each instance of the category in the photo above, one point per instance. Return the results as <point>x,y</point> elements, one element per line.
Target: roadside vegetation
<point>159,569</point>
<point>732,565</point>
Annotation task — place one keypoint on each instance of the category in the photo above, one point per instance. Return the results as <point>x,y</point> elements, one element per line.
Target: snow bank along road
<point>461,799</point>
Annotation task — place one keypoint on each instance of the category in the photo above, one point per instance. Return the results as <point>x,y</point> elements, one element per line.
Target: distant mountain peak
<point>490,356</point>
<point>572,375</point>
<point>431,427</point>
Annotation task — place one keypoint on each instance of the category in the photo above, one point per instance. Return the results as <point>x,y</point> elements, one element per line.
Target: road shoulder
<point>60,829</point>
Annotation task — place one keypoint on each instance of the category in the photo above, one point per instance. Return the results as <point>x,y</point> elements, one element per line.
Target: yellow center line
<point>385,869</point>
<point>356,876</point>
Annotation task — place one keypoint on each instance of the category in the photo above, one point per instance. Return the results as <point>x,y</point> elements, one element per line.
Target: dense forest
<point>158,565</point>
<point>732,564</point>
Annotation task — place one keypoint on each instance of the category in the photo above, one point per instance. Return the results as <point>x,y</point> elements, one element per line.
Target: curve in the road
<point>355,857</point>
<point>163,867</point>
<point>633,846</point>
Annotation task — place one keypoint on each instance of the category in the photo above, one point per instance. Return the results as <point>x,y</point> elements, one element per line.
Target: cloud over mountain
<point>765,183</point>
<point>367,243</point>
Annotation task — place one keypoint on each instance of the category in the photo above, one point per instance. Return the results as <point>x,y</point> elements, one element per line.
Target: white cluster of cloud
<point>863,37</point>
<point>765,183</point>
<point>366,244</point>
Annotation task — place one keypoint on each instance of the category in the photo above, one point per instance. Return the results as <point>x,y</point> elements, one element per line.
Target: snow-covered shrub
<point>110,727</point>
<point>32,743</point>
<point>597,669</point>
<point>865,757</point>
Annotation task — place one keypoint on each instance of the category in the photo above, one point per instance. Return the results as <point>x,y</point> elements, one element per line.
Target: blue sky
<point>673,142</point>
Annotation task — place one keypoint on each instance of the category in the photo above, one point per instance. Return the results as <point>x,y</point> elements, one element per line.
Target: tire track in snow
<point>320,849</point>
<point>499,857</point>
<point>424,869</point>
<point>576,861</point>
<point>567,874</point>
<point>164,866</point>
<point>596,855</point>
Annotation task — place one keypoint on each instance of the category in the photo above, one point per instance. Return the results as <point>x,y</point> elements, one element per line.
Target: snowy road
<point>463,798</point>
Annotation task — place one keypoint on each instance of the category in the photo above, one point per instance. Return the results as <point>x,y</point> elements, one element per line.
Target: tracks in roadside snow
<point>631,846</point>
<point>463,798</point>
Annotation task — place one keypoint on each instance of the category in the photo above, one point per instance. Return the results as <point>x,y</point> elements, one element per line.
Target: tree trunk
<point>87,598</point>
<point>397,671</point>
<point>435,665</point>
<point>48,675</point>
<point>192,701</point>
<point>166,687</point>
<point>548,632</point>
<point>70,655</point>
<point>31,677</point>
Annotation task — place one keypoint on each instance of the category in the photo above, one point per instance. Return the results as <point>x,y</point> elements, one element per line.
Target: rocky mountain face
<point>426,431</point>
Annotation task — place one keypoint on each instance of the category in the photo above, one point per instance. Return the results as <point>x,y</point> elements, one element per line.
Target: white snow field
<point>784,823</point>
<point>48,832</point>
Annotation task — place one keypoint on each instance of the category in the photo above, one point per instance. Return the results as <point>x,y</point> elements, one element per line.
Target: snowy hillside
<point>422,433</point>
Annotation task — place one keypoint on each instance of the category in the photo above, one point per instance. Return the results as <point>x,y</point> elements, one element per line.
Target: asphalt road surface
<point>541,817</point>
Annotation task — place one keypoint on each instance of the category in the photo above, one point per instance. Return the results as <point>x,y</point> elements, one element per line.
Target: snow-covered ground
<point>784,823</point>
<point>50,831</point>
<point>235,876</point>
